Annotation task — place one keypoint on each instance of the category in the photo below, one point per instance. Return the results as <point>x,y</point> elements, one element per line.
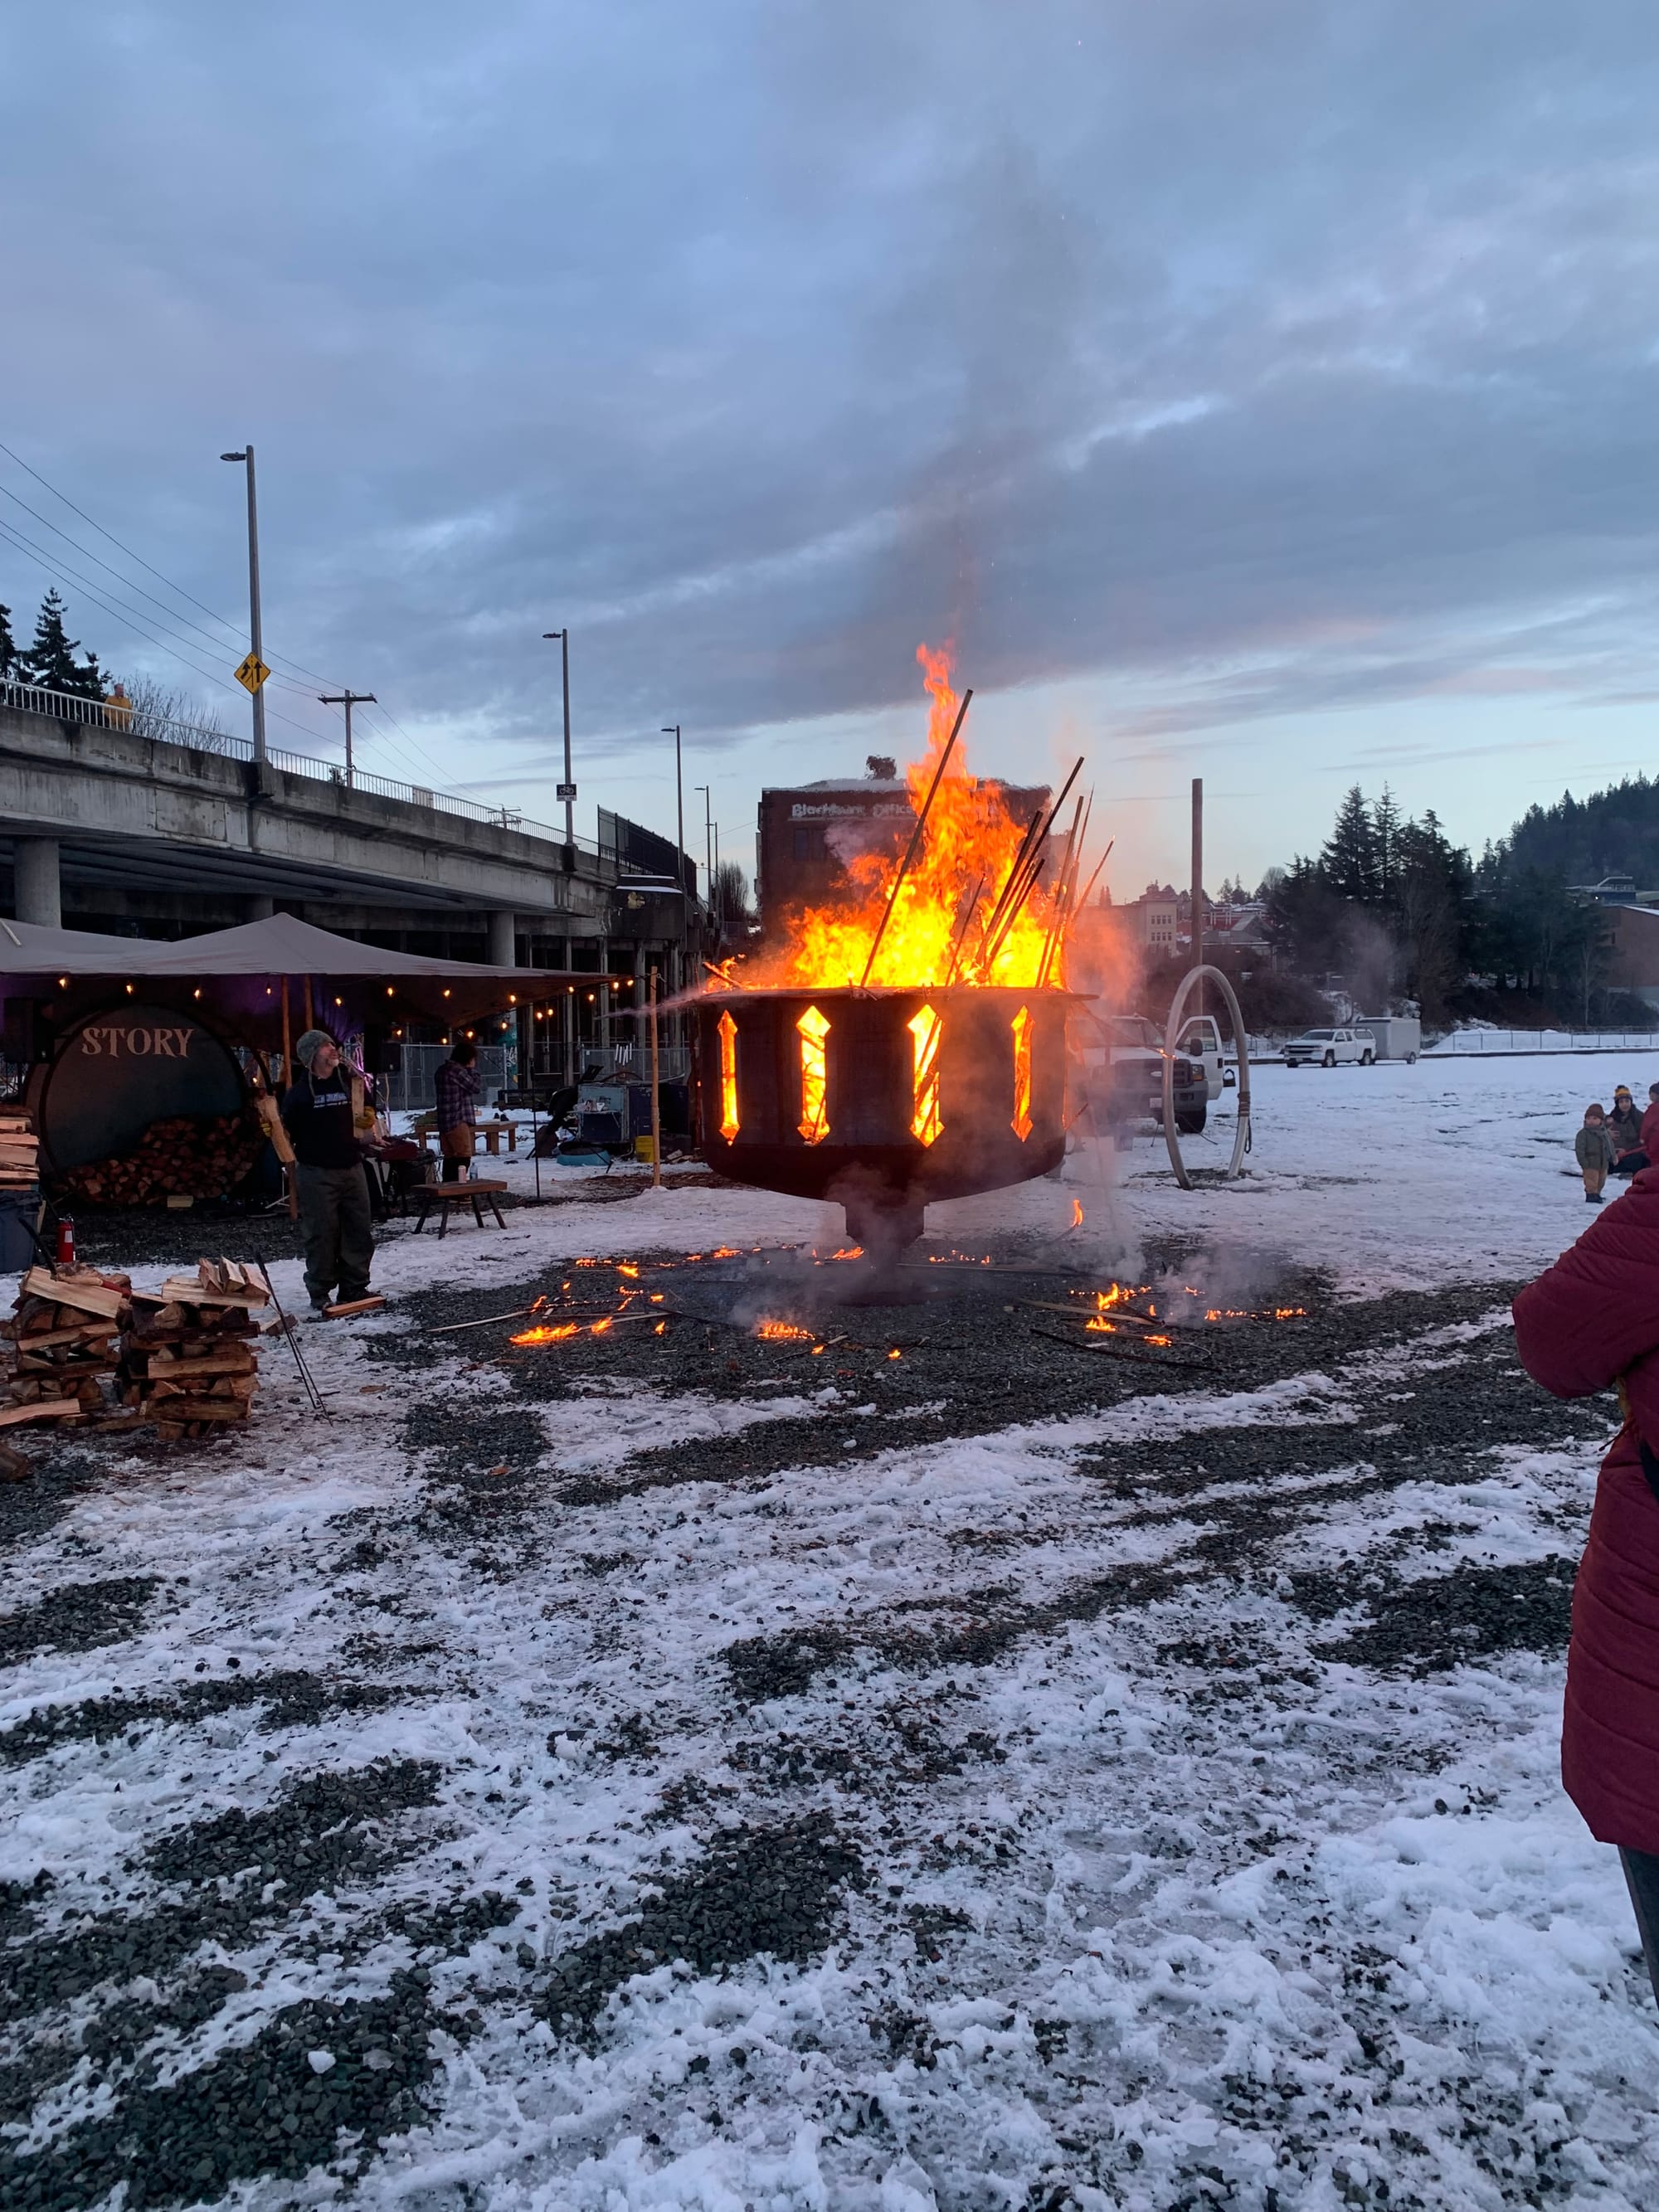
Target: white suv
<point>1328,1048</point>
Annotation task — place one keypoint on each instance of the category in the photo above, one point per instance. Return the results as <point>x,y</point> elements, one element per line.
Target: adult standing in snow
<point>455,1088</point>
<point>1587,1322</point>
<point>334,1211</point>
<point>1625,1128</point>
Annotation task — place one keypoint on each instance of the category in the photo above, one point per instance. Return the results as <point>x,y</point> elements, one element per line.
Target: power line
<point>279,660</point>
<point>86,552</point>
<point>126,621</point>
<point>235,629</point>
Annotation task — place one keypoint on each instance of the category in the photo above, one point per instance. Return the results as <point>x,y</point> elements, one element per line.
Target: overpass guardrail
<point>136,721</point>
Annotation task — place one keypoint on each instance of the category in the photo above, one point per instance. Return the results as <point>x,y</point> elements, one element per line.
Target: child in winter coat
<point>1593,1149</point>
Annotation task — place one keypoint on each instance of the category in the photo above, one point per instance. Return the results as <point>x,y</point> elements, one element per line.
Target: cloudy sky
<point>1263,392</point>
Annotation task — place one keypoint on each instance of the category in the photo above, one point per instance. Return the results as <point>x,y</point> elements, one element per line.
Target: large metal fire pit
<point>883,1099</point>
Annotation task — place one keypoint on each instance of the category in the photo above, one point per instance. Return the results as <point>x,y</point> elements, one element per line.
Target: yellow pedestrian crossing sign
<point>252,674</point>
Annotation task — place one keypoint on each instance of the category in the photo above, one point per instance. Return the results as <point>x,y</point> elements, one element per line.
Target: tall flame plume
<point>943,929</point>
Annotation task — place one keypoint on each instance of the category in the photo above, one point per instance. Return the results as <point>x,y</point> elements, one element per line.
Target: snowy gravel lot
<point>685,1771</point>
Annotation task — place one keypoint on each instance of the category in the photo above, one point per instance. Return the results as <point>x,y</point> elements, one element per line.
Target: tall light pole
<point>680,795</point>
<point>347,699</point>
<point>568,788</point>
<point>707,842</point>
<point>257,640</point>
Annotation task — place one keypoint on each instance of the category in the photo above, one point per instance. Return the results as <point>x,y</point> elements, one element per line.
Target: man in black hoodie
<point>334,1211</point>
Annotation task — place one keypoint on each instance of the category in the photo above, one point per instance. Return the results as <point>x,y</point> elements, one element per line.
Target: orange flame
<point>814,1075</point>
<point>727,1032</point>
<point>924,1027</point>
<point>938,932</point>
<point>782,1331</point>
<point>545,1333</point>
<point>1022,1116</point>
<point>1077,1213</point>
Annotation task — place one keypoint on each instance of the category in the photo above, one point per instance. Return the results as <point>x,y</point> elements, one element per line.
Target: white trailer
<point>1398,1036</point>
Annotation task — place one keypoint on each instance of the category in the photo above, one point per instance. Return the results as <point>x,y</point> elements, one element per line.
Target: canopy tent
<point>28,948</point>
<point>237,977</point>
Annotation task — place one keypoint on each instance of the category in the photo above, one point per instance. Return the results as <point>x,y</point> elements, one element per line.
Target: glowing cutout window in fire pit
<point>1022,1118</point>
<point>728,1038</point>
<point>924,1028</point>
<point>814,1030</point>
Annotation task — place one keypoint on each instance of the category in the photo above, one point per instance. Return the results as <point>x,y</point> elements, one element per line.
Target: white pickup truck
<point>1331,1049</point>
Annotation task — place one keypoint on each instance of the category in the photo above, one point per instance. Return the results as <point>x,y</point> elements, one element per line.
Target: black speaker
<point>382,1051</point>
<point>25,1036</point>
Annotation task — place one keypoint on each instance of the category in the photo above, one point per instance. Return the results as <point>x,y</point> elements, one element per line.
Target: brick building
<point>807,834</point>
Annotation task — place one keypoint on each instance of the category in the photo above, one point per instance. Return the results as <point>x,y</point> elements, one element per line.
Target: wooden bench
<point>442,1198</point>
<point>493,1132</point>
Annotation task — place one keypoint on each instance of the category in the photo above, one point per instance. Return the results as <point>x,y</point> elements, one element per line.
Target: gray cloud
<point>1264,360</point>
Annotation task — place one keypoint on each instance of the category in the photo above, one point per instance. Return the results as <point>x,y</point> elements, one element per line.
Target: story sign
<point>125,1069</point>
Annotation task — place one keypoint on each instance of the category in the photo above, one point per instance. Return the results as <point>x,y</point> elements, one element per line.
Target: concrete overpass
<point>107,824</point>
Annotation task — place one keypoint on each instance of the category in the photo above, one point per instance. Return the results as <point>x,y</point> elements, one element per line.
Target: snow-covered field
<point>690,1773</point>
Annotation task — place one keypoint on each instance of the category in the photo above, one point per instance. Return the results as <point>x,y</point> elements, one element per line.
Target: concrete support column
<point>502,951</point>
<point>260,906</point>
<point>39,896</point>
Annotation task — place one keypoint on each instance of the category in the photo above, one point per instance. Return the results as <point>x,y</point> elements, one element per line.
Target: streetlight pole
<point>257,640</point>
<point>568,788</point>
<point>707,842</point>
<point>347,699</point>
<point>679,791</point>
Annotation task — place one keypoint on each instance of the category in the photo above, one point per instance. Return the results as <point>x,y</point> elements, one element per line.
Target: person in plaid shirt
<point>456,1086</point>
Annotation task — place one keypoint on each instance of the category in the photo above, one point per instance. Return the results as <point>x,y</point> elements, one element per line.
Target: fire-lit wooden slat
<point>727,1032</point>
<point>924,1027</point>
<point>814,1031</point>
<point>1021,1121</point>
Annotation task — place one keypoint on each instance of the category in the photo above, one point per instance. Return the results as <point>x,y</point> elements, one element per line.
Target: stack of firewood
<point>185,1156</point>
<point>62,1332</point>
<point>20,1151</point>
<point>186,1362</point>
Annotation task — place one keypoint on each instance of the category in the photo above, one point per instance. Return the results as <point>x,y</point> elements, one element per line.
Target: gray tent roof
<point>285,945</point>
<point>28,948</point>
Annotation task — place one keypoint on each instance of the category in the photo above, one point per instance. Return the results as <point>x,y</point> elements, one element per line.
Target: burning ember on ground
<point>782,1331</point>
<point>976,897</point>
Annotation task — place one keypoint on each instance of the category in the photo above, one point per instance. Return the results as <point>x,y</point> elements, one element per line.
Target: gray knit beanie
<point>310,1045</point>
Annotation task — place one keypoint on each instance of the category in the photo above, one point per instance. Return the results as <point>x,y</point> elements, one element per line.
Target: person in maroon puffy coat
<point>1590,1322</point>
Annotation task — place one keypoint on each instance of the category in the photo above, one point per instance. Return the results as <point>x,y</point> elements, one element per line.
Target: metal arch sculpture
<point>1177,1011</point>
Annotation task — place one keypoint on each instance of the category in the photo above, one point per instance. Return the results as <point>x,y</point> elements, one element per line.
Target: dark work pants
<point>1632,1163</point>
<point>1642,1877</point>
<point>334,1221</point>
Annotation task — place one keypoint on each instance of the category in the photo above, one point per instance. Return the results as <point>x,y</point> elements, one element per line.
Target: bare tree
<point>157,710</point>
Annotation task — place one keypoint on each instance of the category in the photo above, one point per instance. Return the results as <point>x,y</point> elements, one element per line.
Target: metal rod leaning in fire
<point>1027,843</point>
<point>914,845</point>
<point>1060,921</point>
<point>318,1403</point>
<point>1017,892</point>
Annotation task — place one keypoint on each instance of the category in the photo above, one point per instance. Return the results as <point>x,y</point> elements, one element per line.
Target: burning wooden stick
<point>914,845</point>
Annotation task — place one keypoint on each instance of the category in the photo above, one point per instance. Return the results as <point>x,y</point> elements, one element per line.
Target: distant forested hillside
<point>1613,832</point>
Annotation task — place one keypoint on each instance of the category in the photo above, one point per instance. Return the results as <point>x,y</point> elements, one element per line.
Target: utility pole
<point>568,788</point>
<point>347,699</point>
<point>257,639</point>
<point>1198,881</point>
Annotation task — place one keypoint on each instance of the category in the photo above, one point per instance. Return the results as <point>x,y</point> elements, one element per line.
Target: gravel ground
<point>688,1768</point>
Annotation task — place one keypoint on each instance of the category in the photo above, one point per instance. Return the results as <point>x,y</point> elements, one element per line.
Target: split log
<point>92,1295</point>
<point>44,1409</point>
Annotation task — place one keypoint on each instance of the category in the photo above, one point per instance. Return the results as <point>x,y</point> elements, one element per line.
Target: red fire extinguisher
<point>66,1243</point>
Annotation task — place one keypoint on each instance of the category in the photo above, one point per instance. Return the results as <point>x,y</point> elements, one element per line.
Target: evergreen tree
<point>1387,822</point>
<point>8,646</point>
<point>1348,863</point>
<point>50,661</point>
